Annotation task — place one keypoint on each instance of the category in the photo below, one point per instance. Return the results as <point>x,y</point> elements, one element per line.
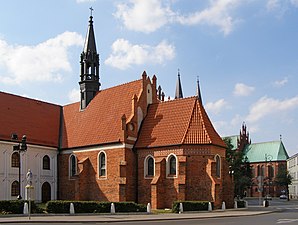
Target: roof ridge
<point>202,111</point>
<point>120,85</point>
<point>178,99</point>
<point>266,142</point>
<point>31,99</point>
<point>106,90</point>
<point>189,122</point>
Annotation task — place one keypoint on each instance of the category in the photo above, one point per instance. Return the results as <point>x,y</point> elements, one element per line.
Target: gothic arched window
<point>259,170</point>
<point>15,159</point>
<point>172,165</point>
<point>217,162</point>
<point>72,165</point>
<point>149,166</point>
<point>102,164</point>
<point>15,188</point>
<point>46,162</point>
<point>262,171</point>
<point>270,171</point>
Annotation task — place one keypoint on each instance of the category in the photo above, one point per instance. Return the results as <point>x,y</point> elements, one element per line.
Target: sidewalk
<point>120,217</point>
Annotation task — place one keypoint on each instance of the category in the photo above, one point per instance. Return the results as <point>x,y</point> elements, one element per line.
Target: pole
<point>19,196</point>
<point>29,203</point>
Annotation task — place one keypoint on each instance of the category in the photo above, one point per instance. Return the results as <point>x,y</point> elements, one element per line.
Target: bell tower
<point>89,83</point>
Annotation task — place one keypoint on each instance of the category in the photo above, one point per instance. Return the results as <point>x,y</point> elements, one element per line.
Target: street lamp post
<point>268,158</point>
<point>20,147</point>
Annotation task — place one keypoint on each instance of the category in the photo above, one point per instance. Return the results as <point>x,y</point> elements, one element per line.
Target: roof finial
<point>280,137</point>
<point>91,9</point>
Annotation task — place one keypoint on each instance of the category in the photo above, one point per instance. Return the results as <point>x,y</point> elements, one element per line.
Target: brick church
<point>124,143</point>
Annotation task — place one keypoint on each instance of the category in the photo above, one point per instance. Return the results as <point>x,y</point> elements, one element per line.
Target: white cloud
<point>266,106</point>
<point>144,16</point>
<point>216,107</point>
<point>74,95</point>
<point>295,2</point>
<point>280,83</point>
<point>273,4</point>
<point>278,4</point>
<point>124,54</point>
<point>217,14</point>
<point>243,89</point>
<point>43,62</point>
<point>148,16</point>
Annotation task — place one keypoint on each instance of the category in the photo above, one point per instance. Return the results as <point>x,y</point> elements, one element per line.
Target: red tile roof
<point>181,121</point>
<point>100,122</point>
<point>38,120</point>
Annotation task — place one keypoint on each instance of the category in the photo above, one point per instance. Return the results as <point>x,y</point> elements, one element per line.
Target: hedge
<point>92,207</point>
<point>191,206</point>
<point>240,204</point>
<point>15,206</point>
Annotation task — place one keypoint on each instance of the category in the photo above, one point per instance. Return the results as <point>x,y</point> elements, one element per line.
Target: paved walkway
<point>119,217</point>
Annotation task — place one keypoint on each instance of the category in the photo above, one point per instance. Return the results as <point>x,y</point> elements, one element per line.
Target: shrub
<point>129,207</point>
<point>15,206</point>
<point>191,206</point>
<point>240,204</point>
<point>92,207</point>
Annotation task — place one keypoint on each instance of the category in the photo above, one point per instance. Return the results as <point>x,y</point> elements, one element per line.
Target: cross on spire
<point>91,9</point>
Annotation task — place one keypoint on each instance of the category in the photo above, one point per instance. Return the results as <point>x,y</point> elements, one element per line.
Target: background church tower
<point>178,93</point>
<point>89,84</point>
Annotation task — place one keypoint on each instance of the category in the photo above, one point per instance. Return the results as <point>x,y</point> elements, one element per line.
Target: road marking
<point>287,220</point>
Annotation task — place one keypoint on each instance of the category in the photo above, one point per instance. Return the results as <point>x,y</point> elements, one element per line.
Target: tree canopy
<point>239,168</point>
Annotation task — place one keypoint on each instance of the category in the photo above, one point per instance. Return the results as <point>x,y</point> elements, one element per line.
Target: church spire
<point>89,83</point>
<point>199,91</point>
<point>178,93</point>
<point>90,37</point>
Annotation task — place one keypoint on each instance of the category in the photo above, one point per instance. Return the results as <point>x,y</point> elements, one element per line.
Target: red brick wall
<point>66,186</point>
<point>196,177</point>
<point>118,185</point>
<point>273,190</point>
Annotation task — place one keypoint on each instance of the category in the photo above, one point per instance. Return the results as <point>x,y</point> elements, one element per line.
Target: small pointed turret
<point>178,93</point>
<point>199,91</point>
<point>89,83</point>
<point>90,45</point>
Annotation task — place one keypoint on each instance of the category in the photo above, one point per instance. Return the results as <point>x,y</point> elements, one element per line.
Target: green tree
<point>239,168</point>
<point>283,179</point>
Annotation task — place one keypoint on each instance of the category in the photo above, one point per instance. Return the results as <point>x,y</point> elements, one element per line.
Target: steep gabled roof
<point>100,122</point>
<point>38,120</point>
<point>275,150</point>
<point>181,121</point>
<point>201,130</point>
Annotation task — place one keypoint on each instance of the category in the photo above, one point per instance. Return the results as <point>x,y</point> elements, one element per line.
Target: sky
<point>244,53</point>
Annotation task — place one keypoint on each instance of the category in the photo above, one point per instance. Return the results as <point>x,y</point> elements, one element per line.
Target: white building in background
<point>42,161</point>
<point>292,165</point>
<point>40,122</point>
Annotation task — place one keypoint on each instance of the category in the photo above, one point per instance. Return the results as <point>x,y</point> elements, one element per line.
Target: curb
<point>113,218</point>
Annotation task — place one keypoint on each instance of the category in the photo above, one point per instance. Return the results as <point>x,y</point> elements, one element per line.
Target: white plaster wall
<point>292,164</point>
<point>31,159</point>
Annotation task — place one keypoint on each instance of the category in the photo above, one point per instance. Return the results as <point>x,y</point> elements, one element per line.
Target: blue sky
<point>245,54</point>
